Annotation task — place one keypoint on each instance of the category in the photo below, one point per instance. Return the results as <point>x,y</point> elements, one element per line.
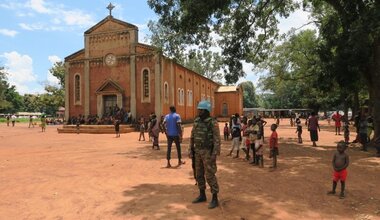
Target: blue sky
<point>34,34</point>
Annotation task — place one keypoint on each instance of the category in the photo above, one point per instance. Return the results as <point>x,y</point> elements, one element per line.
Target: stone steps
<point>95,129</point>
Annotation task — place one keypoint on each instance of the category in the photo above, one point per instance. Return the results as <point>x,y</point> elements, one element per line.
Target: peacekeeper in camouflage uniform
<point>205,146</point>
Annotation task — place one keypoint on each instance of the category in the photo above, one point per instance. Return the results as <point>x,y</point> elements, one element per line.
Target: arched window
<point>189,98</point>
<point>145,80</point>
<point>77,89</point>
<point>166,92</point>
<point>179,96</point>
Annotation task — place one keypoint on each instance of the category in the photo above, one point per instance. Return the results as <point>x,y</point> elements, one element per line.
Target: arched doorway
<point>224,110</point>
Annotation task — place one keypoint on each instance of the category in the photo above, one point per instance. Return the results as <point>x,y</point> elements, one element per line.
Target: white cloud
<point>50,78</point>
<point>20,70</point>
<point>31,27</point>
<point>39,6</point>
<point>11,5</point>
<point>57,16</point>
<point>6,32</point>
<point>53,59</point>
<point>76,17</point>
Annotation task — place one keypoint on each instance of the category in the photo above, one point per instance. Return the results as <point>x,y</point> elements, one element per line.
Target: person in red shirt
<point>337,119</point>
<point>273,145</point>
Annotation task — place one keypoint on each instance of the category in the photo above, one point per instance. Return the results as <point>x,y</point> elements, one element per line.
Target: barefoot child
<point>259,150</point>
<point>299,130</point>
<point>226,132</point>
<point>117,127</point>
<point>273,145</point>
<point>340,163</point>
<point>142,130</point>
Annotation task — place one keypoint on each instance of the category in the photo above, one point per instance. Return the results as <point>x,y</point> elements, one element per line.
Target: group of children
<point>249,136</point>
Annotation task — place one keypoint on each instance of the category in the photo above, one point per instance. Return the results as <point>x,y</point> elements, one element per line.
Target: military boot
<point>214,202</point>
<point>201,197</point>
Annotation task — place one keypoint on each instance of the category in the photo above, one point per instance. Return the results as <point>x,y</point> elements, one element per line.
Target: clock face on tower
<point>110,59</point>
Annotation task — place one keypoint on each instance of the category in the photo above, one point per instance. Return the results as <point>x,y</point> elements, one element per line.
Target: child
<point>299,130</point>
<point>340,163</point>
<point>226,132</point>
<point>244,138</point>
<point>117,128</point>
<point>346,130</point>
<point>259,150</point>
<point>142,130</point>
<point>43,123</point>
<point>248,142</point>
<point>236,135</point>
<point>253,129</point>
<point>273,145</point>
<point>78,125</point>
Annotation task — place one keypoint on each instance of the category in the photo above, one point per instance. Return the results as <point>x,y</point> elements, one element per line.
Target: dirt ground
<point>69,176</point>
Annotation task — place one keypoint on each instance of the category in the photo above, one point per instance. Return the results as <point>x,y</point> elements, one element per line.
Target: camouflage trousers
<point>205,166</point>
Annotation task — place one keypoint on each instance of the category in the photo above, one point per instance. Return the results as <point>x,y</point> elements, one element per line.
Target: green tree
<point>200,60</point>
<point>55,95</point>
<point>10,99</point>
<point>248,30</point>
<point>206,63</point>
<point>249,95</point>
<point>32,103</point>
<point>13,97</point>
<point>4,104</point>
<point>295,77</point>
<point>58,70</point>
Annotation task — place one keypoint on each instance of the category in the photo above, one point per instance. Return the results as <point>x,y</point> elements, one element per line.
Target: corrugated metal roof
<point>227,89</point>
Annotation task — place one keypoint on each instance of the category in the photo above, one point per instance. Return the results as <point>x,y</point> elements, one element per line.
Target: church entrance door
<point>109,101</point>
<point>225,110</point>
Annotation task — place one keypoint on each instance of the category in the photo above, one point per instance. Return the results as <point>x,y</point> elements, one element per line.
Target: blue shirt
<point>171,121</point>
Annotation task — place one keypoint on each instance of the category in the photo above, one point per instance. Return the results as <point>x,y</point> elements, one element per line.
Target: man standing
<point>13,118</point>
<point>205,143</point>
<point>313,127</point>
<point>337,119</point>
<point>172,123</point>
<point>31,121</point>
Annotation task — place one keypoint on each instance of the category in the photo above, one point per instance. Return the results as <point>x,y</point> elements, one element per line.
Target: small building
<point>113,69</point>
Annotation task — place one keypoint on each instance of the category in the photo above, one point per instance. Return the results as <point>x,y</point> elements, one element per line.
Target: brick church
<point>115,69</point>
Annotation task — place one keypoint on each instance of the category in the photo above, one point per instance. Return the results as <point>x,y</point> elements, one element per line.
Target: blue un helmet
<point>206,105</point>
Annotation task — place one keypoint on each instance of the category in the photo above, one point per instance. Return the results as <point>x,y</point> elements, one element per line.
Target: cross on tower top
<point>110,7</point>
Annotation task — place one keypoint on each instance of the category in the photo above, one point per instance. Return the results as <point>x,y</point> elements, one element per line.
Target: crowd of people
<point>246,134</point>
<point>110,117</point>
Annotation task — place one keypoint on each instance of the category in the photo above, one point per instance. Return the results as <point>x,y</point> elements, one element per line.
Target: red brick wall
<point>75,110</point>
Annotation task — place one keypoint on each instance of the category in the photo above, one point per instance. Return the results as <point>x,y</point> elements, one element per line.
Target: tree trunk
<point>356,105</point>
<point>345,109</point>
<point>374,86</point>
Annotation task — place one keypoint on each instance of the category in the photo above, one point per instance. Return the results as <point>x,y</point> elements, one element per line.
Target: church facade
<point>115,69</point>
